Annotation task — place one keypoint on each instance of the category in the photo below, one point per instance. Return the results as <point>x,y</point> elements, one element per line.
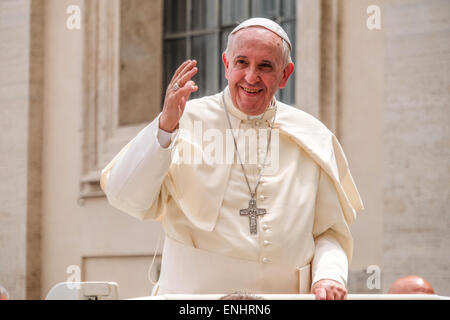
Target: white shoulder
<point>292,116</point>
<point>202,108</point>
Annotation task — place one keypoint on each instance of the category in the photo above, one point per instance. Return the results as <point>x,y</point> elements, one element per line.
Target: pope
<point>253,195</point>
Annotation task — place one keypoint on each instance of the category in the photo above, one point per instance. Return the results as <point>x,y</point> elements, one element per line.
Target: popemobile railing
<point>99,290</point>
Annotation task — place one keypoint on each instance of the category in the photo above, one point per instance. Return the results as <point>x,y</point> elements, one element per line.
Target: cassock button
<point>266,227</point>
<point>266,260</point>
<point>261,197</point>
<point>266,242</point>
<point>257,122</point>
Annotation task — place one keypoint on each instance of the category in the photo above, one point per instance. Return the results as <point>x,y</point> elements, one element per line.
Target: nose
<point>252,76</point>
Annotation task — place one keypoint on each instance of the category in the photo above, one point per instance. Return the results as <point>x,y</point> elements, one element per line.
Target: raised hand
<point>177,94</point>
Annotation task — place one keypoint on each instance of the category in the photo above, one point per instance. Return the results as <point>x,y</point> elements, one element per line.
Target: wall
<point>21,53</point>
<point>74,231</point>
<point>417,142</point>
<point>360,129</point>
<point>388,104</point>
<point>13,146</point>
<point>339,79</point>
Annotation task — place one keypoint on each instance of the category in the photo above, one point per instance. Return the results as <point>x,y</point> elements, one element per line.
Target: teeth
<point>250,90</point>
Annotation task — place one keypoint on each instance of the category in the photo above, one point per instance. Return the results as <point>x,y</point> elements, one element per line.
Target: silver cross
<point>252,212</point>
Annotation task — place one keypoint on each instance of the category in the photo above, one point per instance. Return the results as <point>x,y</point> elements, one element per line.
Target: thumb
<point>321,294</point>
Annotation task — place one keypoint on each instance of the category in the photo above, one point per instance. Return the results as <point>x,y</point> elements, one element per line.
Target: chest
<point>287,187</point>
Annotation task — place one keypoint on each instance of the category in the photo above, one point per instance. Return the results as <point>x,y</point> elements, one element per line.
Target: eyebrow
<point>245,57</point>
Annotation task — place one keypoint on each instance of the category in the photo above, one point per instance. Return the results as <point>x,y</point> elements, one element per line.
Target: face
<point>255,69</point>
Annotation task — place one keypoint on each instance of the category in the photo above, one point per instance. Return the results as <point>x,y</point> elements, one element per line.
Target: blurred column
<point>21,84</point>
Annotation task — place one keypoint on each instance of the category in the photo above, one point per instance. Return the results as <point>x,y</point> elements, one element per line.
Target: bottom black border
<point>214,309</point>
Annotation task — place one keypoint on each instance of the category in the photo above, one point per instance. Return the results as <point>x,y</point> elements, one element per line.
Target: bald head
<point>241,296</point>
<point>411,285</point>
<point>3,294</point>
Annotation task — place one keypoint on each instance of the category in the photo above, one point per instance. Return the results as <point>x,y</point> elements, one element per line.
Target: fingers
<point>187,76</point>
<point>342,295</point>
<point>187,89</point>
<point>185,72</point>
<point>185,85</point>
<point>329,290</point>
<point>184,93</point>
<point>331,294</point>
<point>176,98</point>
<point>180,69</point>
<point>321,294</point>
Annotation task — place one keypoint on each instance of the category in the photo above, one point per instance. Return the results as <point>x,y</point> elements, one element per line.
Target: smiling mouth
<point>251,91</point>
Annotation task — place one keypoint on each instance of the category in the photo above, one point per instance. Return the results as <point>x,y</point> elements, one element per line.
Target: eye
<point>266,65</point>
<point>241,61</point>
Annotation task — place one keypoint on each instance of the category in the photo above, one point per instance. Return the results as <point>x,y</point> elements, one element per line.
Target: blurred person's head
<point>3,294</point>
<point>240,296</point>
<point>411,285</point>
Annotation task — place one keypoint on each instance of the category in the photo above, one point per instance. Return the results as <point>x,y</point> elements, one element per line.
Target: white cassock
<point>308,192</point>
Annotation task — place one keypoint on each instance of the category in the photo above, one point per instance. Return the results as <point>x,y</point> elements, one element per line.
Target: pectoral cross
<point>252,212</point>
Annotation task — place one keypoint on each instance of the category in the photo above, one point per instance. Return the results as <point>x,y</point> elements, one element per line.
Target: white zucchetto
<point>265,23</point>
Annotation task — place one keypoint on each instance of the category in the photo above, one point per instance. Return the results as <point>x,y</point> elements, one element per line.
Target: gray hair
<point>286,49</point>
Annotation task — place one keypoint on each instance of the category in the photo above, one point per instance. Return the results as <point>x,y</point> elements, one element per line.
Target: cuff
<point>330,261</point>
<point>165,139</point>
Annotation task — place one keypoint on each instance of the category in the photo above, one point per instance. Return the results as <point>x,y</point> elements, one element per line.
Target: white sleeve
<point>133,182</point>
<point>165,138</point>
<point>332,237</point>
<point>330,261</point>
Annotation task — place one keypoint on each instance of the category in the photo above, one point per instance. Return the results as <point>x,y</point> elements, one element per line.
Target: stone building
<point>72,95</point>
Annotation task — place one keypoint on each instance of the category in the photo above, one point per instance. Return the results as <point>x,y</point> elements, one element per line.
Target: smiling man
<point>254,70</point>
<point>238,226</point>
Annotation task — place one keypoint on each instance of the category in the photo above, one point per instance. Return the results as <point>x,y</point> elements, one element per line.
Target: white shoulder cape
<point>198,189</point>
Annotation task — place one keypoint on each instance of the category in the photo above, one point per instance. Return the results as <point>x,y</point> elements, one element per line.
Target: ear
<point>286,74</point>
<point>226,64</point>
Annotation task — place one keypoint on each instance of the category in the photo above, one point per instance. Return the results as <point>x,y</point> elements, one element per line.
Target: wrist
<point>165,125</point>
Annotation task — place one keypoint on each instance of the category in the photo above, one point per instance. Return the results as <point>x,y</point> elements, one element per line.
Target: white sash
<point>187,270</point>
